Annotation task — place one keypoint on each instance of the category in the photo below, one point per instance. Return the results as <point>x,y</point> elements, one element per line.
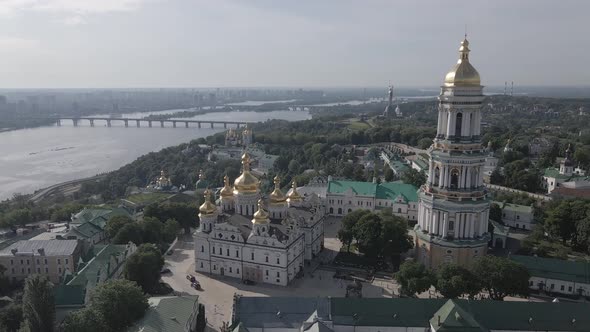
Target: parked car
<point>248,282</point>
<point>164,271</point>
<point>196,285</point>
<point>191,278</point>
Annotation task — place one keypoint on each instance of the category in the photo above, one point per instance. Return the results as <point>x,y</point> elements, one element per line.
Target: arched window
<point>331,210</point>
<point>451,225</point>
<point>339,210</point>
<point>458,124</point>
<point>454,179</point>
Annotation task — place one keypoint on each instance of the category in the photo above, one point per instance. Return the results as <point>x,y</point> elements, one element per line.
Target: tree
<point>183,213</point>
<point>414,177</point>
<point>144,267</point>
<point>367,233</point>
<point>120,302</point>
<point>151,230</point>
<point>115,223</point>
<point>346,232</point>
<point>388,174</point>
<point>501,277</point>
<point>453,281</point>
<point>38,304</point>
<point>414,278</point>
<point>18,217</point>
<point>559,223</point>
<point>129,233</point>
<point>11,317</point>
<point>87,320</point>
<point>496,213</point>
<point>170,231</point>
<point>394,238</point>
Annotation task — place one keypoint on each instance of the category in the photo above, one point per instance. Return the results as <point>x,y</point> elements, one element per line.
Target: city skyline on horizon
<point>61,44</point>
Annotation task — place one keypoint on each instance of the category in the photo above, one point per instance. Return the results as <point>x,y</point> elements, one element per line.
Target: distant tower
<point>511,88</point>
<point>566,167</point>
<point>453,209</point>
<point>246,136</point>
<point>505,87</point>
<point>389,108</point>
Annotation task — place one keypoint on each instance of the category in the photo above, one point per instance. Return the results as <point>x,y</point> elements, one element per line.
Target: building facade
<point>343,197</point>
<point>556,276</point>
<point>247,238</point>
<point>453,209</point>
<point>517,216</point>
<point>50,258</point>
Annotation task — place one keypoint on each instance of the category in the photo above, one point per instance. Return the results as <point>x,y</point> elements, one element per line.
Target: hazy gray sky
<point>194,43</point>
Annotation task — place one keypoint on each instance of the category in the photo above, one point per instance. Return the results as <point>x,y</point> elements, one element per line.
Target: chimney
<point>14,251</point>
<point>41,251</point>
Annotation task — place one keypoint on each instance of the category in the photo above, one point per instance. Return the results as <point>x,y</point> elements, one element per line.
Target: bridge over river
<point>138,122</point>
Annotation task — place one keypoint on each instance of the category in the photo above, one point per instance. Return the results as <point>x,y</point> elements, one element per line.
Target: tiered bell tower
<point>453,209</point>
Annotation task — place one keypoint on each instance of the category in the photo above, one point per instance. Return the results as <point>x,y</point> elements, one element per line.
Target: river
<point>36,158</point>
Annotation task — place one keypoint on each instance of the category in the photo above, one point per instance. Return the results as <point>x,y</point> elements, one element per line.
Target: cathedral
<point>262,240</point>
<point>235,138</point>
<point>453,209</point>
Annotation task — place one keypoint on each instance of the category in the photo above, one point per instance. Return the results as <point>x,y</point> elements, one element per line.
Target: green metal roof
<point>169,314</point>
<point>100,265</point>
<point>552,268</point>
<point>88,229</point>
<point>69,295</point>
<point>554,173</point>
<point>383,311</point>
<point>514,207</point>
<point>387,190</point>
<point>89,215</point>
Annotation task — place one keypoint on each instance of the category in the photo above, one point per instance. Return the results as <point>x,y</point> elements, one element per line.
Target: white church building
<point>250,239</point>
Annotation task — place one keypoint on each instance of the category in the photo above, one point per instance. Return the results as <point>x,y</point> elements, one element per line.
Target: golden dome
<point>277,195</point>
<point>463,73</point>
<point>260,216</point>
<point>294,195</point>
<point>227,190</point>
<point>207,207</point>
<point>246,182</point>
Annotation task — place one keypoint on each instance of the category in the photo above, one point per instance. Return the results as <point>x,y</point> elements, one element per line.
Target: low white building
<point>517,216</point>
<point>566,176</point>
<point>343,197</point>
<point>556,275</point>
<point>247,238</point>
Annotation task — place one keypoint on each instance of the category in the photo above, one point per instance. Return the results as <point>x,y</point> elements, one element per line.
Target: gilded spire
<point>207,207</point>
<point>260,216</point>
<point>246,182</point>
<point>227,190</point>
<point>294,195</point>
<point>463,73</point>
<point>277,195</point>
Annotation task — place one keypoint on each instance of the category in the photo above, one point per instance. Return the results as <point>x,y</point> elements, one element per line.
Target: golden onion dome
<point>463,73</point>
<point>207,207</point>
<point>260,216</point>
<point>246,182</point>
<point>277,195</point>
<point>294,195</point>
<point>227,190</point>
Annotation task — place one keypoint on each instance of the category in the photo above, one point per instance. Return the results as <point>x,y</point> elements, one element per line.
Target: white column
<point>477,124</point>
<point>465,124</point>
<point>445,120</point>
<point>445,217</point>
<point>439,127</point>
<point>451,124</point>
<point>435,215</point>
